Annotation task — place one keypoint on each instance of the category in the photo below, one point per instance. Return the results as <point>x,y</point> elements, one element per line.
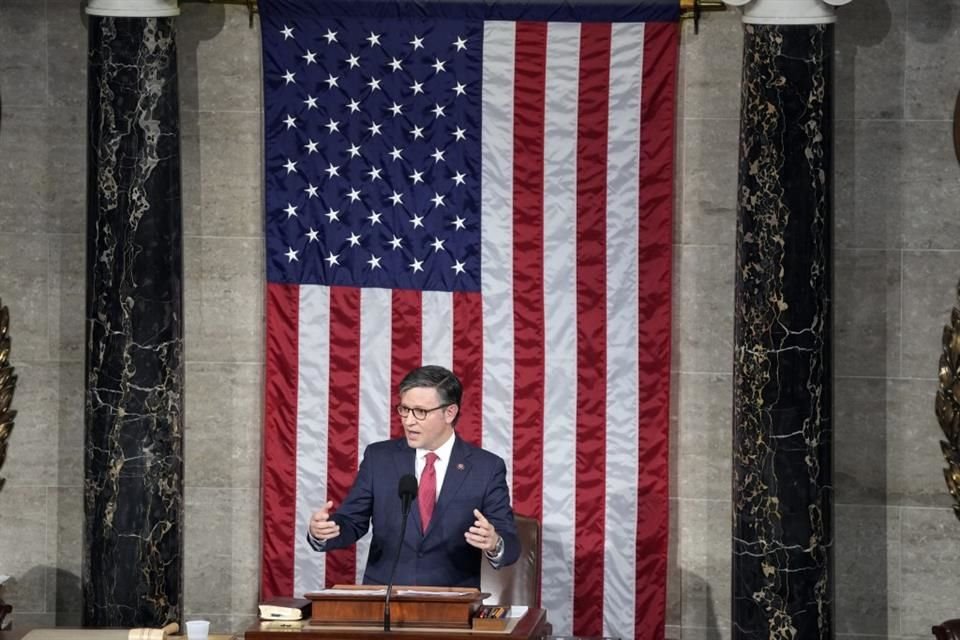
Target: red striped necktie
<point>427,493</point>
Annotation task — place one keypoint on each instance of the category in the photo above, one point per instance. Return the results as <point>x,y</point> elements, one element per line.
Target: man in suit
<point>462,514</point>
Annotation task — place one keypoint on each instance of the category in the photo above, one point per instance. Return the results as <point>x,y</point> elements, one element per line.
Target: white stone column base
<point>133,8</point>
<point>787,11</point>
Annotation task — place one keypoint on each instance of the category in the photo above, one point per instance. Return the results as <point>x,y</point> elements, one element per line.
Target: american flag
<point>488,189</point>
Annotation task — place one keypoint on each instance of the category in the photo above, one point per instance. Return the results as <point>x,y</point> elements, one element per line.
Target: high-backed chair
<point>518,584</point>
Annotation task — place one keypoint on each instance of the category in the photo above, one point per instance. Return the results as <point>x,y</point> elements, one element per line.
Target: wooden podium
<point>355,612</point>
<point>443,607</point>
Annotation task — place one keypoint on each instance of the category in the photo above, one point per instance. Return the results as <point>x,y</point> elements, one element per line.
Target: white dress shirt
<point>440,465</point>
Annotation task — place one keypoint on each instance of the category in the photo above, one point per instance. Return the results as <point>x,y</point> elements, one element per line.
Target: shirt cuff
<point>317,545</point>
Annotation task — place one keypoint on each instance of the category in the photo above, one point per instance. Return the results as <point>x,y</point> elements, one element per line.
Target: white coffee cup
<point>198,629</point>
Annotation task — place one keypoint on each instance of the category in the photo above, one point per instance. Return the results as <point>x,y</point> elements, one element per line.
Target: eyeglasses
<point>418,414</point>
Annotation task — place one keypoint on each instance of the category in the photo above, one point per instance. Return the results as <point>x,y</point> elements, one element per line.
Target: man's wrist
<point>316,543</point>
<point>497,551</point>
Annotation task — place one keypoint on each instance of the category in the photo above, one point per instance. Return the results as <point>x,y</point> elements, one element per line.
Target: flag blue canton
<point>373,153</point>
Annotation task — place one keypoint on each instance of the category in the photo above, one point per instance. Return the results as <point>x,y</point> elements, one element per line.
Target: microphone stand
<point>396,560</point>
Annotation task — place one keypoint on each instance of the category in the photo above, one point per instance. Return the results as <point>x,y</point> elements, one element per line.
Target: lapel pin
<point>460,467</point>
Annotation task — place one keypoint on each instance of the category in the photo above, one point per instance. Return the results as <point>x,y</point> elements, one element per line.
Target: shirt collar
<point>443,452</point>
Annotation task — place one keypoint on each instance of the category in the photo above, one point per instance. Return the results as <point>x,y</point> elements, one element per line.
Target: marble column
<point>133,489</point>
<point>782,543</point>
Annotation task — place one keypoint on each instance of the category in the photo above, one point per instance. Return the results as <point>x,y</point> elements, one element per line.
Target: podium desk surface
<point>19,632</point>
<point>531,626</point>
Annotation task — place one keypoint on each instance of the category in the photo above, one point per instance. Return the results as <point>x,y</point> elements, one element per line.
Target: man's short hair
<point>431,376</point>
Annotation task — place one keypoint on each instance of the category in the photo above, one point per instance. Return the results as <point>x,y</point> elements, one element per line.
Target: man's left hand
<point>482,534</point>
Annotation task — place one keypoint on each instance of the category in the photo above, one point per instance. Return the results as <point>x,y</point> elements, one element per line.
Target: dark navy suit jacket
<point>475,479</point>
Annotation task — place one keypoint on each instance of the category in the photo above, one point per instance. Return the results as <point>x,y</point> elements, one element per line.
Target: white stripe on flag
<point>312,414</point>
<point>497,241</point>
<point>560,302</point>
<point>437,314</point>
<point>375,392</point>
<point>623,407</point>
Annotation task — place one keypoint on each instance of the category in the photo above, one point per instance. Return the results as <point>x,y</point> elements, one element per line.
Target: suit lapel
<point>457,470</point>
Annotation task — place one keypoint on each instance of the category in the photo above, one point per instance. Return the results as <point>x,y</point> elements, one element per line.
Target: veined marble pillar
<point>133,493</point>
<point>783,435</point>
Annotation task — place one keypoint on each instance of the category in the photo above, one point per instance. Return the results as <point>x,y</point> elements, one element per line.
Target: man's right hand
<point>321,526</point>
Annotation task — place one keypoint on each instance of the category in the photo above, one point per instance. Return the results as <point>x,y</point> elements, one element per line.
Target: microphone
<point>407,490</point>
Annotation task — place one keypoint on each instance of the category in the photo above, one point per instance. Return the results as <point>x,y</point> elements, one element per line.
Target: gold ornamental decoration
<point>948,404</point>
<point>7,383</point>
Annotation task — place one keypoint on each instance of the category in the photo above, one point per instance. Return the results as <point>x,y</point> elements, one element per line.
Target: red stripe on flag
<point>343,438</point>
<point>468,363</point>
<point>656,212</point>
<point>592,109</point>
<point>528,123</point>
<point>407,345</point>
<point>278,500</point>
